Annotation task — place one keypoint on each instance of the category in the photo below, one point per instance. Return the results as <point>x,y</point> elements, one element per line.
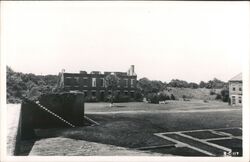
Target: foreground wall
<point>60,110</point>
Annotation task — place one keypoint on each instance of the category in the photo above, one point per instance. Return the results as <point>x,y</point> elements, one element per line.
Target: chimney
<point>132,70</point>
<point>128,72</point>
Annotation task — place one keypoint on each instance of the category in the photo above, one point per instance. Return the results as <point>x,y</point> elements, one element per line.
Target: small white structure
<point>235,90</point>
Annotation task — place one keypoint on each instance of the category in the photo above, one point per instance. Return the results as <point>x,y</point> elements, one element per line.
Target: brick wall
<point>84,82</point>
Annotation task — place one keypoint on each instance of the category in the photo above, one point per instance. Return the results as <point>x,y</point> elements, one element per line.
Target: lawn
<point>170,106</point>
<point>132,125</point>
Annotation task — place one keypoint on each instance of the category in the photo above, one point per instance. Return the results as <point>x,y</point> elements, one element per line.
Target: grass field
<point>132,125</point>
<point>172,105</point>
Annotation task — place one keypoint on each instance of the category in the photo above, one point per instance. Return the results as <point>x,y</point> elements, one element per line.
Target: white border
<point>246,106</point>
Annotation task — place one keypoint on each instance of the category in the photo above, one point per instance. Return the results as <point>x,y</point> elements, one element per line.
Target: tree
<point>202,84</point>
<point>20,84</point>
<point>218,83</point>
<point>225,95</point>
<point>111,83</point>
<point>144,86</point>
<point>172,97</point>
<point>209,84</point>
<point>153,98</point>
<point>215,83</point>
<point>178,83</point>
<point>163,97</point>
<point>193,85</point>
<point>218,97</point>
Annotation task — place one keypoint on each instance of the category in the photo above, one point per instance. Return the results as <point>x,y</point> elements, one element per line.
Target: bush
<point>117,98</point>
<point>14,100</point>
<point>90,99</point>
<point>206,101</point>
<point>172,97</point>
<point>153,98</point>
<point>121,98</point>
<point>212,92</point>
<point>218,97</point>
<point>138,96</point>
<point>225,95</point>
<point>163,97</point>
<point>186,98</point>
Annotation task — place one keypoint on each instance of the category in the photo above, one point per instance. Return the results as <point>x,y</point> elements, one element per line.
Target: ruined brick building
<point>235,90</point>
<point>93,84</point>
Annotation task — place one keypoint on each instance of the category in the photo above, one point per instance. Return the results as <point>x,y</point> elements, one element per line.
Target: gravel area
<point>60,146</point>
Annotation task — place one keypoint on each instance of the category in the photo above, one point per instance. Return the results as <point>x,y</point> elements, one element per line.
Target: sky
<point>191,41</point>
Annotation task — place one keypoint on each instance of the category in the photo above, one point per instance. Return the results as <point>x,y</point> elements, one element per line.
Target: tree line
<point>20,84</point>
<point>152,89</point>
<point>154,86</point>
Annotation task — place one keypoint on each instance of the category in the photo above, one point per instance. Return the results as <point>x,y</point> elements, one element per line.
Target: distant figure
<point>206,101</point>
<point>145,100</point>
<point>111,102</point>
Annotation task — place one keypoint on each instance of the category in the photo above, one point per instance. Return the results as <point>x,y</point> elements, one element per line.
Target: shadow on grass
<point>25,147</point>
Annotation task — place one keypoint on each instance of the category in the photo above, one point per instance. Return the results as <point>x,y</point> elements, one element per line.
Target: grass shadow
<point>25,147</point>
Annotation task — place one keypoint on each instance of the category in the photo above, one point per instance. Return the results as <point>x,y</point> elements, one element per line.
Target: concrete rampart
<point>13,116</point>
<point>46,111</point>
<point>51,111</point>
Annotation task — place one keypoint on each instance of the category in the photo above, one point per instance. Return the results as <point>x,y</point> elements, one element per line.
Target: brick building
<point>235,90</point>
<point>93,84</point>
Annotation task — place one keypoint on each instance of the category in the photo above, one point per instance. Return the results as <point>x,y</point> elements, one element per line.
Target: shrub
<point>218,97</point>
<point>225,95</point>
<point>206,101</point>
<point>212,92</point>
<point>121,98</point>
<point>14,100</point>
<point>153,98</point>
<point>172,97</point>
<point>107,98</point>
<point>117,98</point>
<point>90,99</point>
<point>138,96</point>
<point>163,97</point>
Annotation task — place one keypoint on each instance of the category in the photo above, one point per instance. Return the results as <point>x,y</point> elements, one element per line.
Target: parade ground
<point>177,128</point>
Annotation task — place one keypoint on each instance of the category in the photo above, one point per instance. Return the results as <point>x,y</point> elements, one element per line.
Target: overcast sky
<point>192,41</point>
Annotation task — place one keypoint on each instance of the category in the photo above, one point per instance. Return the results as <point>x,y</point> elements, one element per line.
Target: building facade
<point>235,90</point>
<point>93,84</point>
